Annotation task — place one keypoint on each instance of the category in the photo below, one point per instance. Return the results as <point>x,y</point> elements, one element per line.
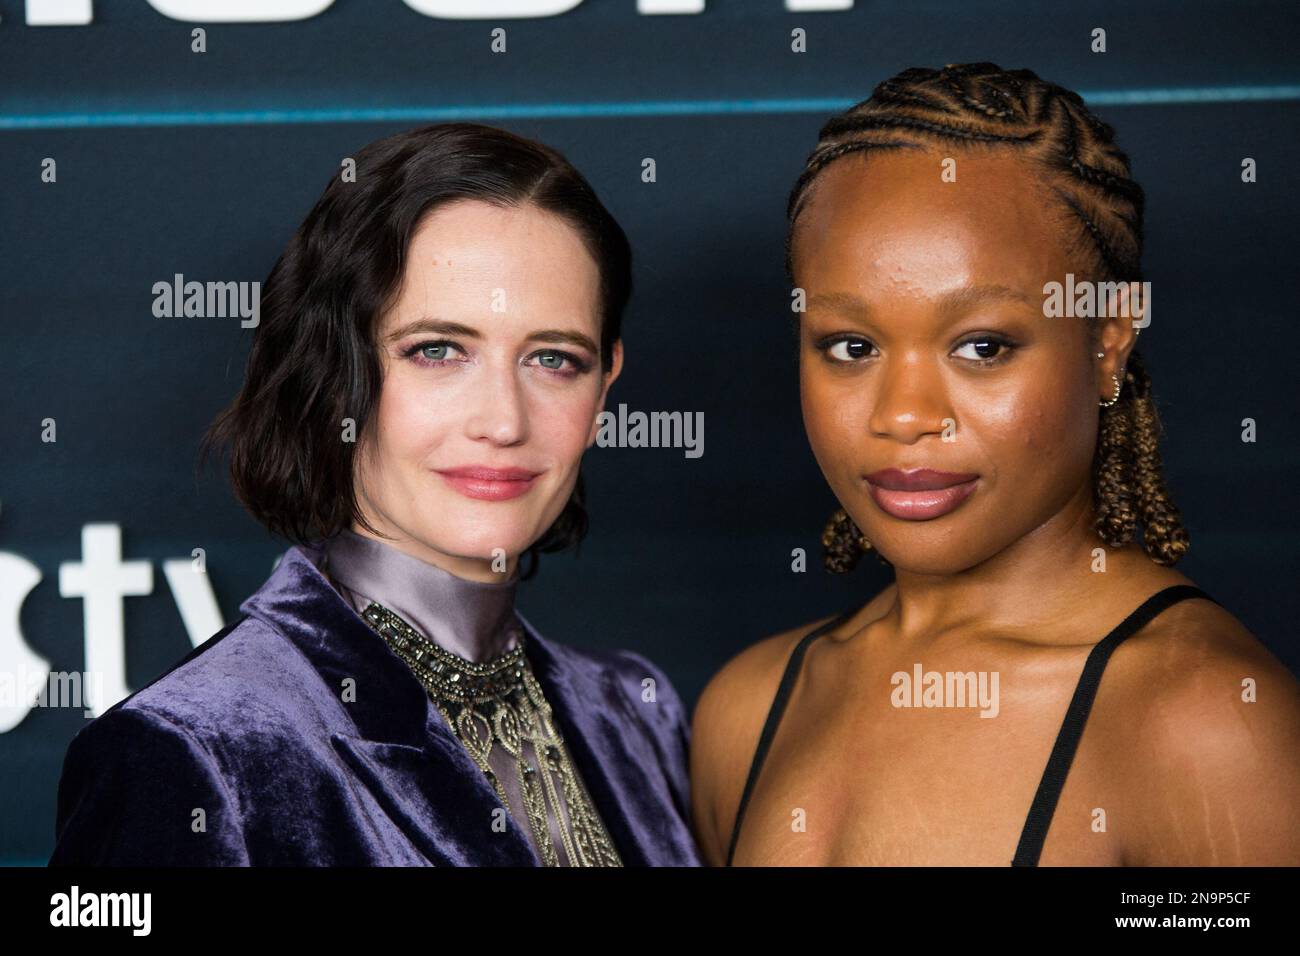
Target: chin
<point>945,553</point>
<point>451,528</point>
<point>938,546</point>
<point>479,540</point>
<point>915,561</point>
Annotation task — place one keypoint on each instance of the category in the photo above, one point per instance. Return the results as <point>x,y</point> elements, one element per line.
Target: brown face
<point>924,345</point>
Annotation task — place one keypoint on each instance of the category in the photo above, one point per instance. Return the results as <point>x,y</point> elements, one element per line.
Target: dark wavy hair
<point>314,361</point>
<point>982,105</point>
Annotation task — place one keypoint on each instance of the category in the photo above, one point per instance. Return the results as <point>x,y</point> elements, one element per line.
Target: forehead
<point>891,214</point>
<point>467,249</point>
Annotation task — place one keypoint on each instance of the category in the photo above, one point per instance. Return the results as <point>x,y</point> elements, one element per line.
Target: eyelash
<point>577,365</point>
<point>1008,346</point>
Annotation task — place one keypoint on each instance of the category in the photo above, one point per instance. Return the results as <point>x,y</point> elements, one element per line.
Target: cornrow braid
<point>976,105</point>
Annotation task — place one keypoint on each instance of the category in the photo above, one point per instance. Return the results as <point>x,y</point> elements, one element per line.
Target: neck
<point>485,570</point>
<point>472,618</point>
<point>1040,588</point>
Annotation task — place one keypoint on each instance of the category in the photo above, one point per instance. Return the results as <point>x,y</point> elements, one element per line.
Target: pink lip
<point>921,494</point>
<point>489,484</point>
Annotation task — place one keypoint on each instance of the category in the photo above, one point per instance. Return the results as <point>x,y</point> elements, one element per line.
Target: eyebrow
<point>440,327</point>
<point>964,298</point>
<point>949,303</point>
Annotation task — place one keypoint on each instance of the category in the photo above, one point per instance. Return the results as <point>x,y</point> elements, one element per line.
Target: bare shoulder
<point>1211,750</point>
<point>726,727</point>
<point>1194,658</point>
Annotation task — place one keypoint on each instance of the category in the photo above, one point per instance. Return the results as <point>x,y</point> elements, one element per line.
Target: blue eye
<point>442,353</point>
<point>432,353</point>
<point>554,360</point>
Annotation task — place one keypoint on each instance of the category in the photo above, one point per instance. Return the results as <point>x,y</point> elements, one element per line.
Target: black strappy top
<point>1067,740</point>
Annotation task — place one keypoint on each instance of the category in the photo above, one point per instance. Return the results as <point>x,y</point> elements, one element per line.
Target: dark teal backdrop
<point>171,162</point>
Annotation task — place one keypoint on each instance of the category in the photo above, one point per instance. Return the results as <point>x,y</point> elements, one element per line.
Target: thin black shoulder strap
<point>774,718</point>
<point>1067,740</point>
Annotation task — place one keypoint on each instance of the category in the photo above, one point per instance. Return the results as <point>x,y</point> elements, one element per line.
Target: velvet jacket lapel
<point>403,752</point>
<point>584,695</point>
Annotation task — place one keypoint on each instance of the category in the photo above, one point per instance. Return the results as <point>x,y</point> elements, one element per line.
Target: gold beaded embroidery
<point>500,703</point>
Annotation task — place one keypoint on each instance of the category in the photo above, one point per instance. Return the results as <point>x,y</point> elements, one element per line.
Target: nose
<point>497,407</point>
<point>911,399</point>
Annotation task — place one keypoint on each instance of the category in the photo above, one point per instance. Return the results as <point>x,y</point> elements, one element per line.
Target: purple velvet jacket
<point>253,728</point>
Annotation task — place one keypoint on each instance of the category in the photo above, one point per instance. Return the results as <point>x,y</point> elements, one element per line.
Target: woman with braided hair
<point>1004,461</point>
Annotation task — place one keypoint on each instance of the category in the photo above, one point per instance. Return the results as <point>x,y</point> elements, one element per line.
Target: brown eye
<point>845,349</point>
<point>985,350</point>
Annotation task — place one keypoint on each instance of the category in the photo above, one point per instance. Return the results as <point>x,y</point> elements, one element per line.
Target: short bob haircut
<point>313,364</point>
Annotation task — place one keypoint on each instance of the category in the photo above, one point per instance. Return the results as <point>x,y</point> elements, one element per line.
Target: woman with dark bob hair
<point>435,348</point>
<point>999,453</point>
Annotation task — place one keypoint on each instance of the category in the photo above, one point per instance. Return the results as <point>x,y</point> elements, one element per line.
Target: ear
<point>1127,310</point>
<point>615,368</point>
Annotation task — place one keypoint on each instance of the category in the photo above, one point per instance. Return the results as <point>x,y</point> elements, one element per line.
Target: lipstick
<point>489,484</point>
<point>920,494</point>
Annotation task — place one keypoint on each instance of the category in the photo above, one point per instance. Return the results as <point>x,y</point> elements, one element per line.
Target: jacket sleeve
<point>664,716</point>
<point>139,790</point>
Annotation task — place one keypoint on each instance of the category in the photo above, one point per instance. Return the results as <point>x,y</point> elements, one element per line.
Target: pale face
<point>490,358</point>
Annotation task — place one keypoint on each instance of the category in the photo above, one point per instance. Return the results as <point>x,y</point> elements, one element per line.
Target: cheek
<point>561,421</point>
<point>834,415</point>
<point>1039,422</point>
<point>410,420</point>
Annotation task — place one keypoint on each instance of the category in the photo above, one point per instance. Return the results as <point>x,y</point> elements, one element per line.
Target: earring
<point>841,525</point>
<point>1115,397</point>
<point>863,543</point>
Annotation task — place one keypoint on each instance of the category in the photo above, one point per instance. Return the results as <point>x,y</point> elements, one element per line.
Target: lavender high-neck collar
<point>474,619</point>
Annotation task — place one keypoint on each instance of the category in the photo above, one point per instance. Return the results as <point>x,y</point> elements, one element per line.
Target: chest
<point>891,762</point>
